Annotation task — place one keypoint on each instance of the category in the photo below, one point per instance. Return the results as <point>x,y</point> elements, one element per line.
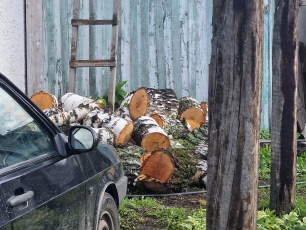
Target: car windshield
<point>21,137</point>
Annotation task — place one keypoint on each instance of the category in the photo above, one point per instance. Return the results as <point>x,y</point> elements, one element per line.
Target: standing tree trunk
<point>234,114</point>
<point>283,125</point>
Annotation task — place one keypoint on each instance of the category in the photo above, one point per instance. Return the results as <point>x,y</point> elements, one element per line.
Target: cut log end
<point>139,104</point>
<point>158,120</point>
<point>154,141</point>
<point>125,135</point>
<point>159,166</point>
<point>195,114</point>
<point>44,100</point>
<point>192,124</point>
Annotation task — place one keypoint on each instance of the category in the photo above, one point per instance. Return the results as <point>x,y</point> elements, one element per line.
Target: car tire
<point>108,214</point>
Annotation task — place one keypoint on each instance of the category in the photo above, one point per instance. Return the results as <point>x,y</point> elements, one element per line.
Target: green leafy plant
<point>266,219</point>
<point>264,134</point>
<point>264,162</point>
<point>119,94</point>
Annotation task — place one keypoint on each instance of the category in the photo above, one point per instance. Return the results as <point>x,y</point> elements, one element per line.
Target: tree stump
<point>147,101</point>
<point>149,135</point>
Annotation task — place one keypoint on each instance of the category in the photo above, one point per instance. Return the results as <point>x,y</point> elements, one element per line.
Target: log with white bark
<point>122,129</point>
<point>147,101</point>
<point>189,109</point>
<point>97,117</point>
<point>105,135</point>
<point>44,100</point>
<point>130,158</point>
<point>200,155</point>
<point>148,134</point>
<point>170,125</point>
<point>123,110</point>
<point>71,101</point>
<point>67,117</point>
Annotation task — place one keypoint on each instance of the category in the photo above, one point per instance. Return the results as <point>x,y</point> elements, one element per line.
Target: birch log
<point>149,135</point>
<point>130,158</point>
<point>189,109</point>
<point>147,101</point>
<point>105,135</point>
<point>44,100</point>
<point>170,125</point>
<point>122,129</point>
<point>123,110</point>
<point>71,101</point>
<point>167,170</point>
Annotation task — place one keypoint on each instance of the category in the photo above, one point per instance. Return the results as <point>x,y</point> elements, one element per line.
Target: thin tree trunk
<point>234,114</point>
<point>283,125</point>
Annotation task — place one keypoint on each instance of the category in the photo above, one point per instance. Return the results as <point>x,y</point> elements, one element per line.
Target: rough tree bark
<point>283,122</point>
<point>234,114</point>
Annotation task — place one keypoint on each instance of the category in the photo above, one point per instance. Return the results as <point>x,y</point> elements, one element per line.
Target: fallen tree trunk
<point>122,129</point>
<point>189,109</point>
<point>105,135</point>
<point>71,101</point>
<point>170,125</point>
<point>130,158</point>
<point>149,135</point>
<point>147,101</point>
<point>44,100</point>
<point>123,110</point>
<point>167,170</point>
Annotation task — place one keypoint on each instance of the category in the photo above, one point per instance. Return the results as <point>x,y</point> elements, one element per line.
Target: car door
<point>40,188</point>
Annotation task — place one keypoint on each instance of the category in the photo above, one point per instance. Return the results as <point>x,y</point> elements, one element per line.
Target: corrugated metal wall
<point>267,64</point>
<point>162,44</point>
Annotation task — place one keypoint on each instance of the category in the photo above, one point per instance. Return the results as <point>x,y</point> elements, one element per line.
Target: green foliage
<point>119,94</point>
<point>135,212</point>
<point>264,134</point>
<point>266,219</point>
<point>264,162</point>
<point>301,166</point>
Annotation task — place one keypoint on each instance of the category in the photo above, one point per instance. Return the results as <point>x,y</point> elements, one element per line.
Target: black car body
<point>49,180</point>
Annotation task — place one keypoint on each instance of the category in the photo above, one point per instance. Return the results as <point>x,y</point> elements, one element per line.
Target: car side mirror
<point>82,139</point>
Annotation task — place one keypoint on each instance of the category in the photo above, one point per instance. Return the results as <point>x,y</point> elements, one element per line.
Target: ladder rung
<point>92,63</point>
<point>86,22</point>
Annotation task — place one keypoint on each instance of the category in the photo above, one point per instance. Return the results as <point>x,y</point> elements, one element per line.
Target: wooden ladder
<point>112,62</point>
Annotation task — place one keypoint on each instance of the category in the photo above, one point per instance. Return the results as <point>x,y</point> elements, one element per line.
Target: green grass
<point>137,212</point>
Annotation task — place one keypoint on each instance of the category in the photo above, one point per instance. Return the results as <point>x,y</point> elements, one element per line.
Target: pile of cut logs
<point>161,140</point>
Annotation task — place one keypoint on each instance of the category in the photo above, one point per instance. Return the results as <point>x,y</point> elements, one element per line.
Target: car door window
<point>21,137</point>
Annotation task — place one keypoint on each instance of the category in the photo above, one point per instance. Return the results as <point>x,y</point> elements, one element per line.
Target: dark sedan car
<point>49,180</point>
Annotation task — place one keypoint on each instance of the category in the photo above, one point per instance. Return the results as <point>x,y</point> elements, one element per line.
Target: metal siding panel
<point>160,44</point>
<point>50,43</point>
<point>193,39</point>
<point>267,64</point>
<point>184,41</point>
<point>176,48</point>
<point>65,17</point>
<point>82,74</point>
<point>125,41</point>
<point>168,43</point>
<point>134,51</point>
<point>144,32</point>
<point>153,81</point>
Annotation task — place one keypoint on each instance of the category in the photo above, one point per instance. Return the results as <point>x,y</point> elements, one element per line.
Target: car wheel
<point>108,214</point>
